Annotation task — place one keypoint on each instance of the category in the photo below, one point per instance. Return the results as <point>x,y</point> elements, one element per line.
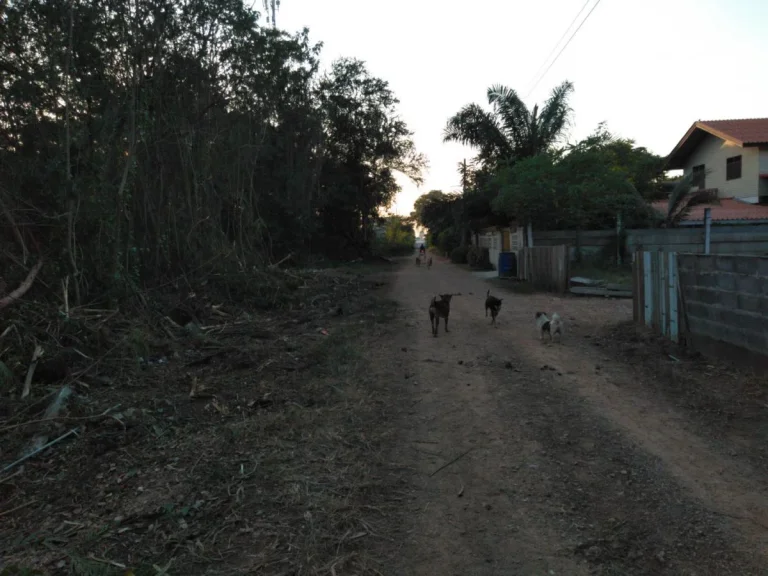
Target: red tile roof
<point>743,131</point>
<point>728,209</point>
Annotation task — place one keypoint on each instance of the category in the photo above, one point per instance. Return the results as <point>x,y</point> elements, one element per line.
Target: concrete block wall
<point>724,239</point>
<point>741,239</point>
<point>726,298</point>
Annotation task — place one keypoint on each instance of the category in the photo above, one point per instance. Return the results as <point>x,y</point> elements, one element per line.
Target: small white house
<point>499,240</point>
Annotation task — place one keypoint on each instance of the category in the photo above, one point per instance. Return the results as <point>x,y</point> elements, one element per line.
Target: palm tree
<point>510,131</point>
<point>682,199</point>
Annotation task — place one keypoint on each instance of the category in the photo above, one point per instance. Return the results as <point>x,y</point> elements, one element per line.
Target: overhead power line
<point>563,49</point>
<point>560,40</point>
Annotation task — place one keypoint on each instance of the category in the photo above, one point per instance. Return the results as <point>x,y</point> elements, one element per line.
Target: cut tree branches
<point>23,287</point>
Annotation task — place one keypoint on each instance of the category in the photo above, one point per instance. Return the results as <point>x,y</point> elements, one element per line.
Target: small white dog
<point>550,326</point>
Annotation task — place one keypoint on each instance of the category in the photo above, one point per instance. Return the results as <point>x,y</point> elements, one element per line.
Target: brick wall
<point>726,299</point>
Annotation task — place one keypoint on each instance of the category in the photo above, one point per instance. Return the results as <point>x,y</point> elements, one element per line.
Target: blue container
<point>507,266</point>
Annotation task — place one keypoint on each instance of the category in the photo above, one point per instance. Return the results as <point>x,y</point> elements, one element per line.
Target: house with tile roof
<point>729,157</point>
<point>726,211</point>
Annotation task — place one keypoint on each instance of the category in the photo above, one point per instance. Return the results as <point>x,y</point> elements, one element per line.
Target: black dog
<point>439,309</point>
<point>493,304</point>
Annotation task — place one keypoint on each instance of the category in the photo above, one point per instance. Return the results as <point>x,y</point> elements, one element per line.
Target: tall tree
<point>584,186</point>
<point>145,140</point>
<point>366,144</point>
<point>644,169</point>
<point>510,131</point>
<point>433,210</point>
<point>271,7</point>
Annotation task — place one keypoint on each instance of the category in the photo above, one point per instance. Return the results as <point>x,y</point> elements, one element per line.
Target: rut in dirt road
<point>529,458</point>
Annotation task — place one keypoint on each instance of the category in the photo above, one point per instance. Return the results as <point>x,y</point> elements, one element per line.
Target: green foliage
<point>398,239</point>
<point>186,138</point>
<point>510,132</point>
<point>643,168</point>
<point>479,257</point>
<point>441,214</point>
<point>523,174</point>
<point>366,144</point>
<point>528,190</point>
<point>399,230</point>
<point>459,255</point>
<point>435,210</point>
<point>447,240</point>
<point>507,134</point>
<point>583,187</point>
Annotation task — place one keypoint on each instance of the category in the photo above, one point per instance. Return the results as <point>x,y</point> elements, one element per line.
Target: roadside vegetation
<point>526,172</point>
<point>179,185</point>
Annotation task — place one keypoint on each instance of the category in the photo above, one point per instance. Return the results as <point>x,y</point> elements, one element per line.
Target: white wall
<point>492,241</point>
<point>713,152</point>
<point>516,239</point>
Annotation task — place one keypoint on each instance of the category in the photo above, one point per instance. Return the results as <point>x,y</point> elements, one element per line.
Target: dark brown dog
<point>493,304</point>
<point>439,309</point>
<point>429,263</point>
<point>418,260</point>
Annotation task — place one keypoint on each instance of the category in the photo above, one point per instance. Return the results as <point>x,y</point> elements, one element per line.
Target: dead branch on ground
<point>31,372</point>
<point>23,287</point>
<point>277,264</point>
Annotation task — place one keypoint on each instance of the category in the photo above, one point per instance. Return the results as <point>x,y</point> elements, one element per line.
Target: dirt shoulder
<point>275,466</point>
<point>566,463</point>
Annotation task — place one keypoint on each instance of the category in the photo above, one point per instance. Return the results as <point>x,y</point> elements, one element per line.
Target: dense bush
<point>479,257</point>
<point>459,255</point>
<point>447,240</point>
<point>398,239</point>
<point>388,248</point>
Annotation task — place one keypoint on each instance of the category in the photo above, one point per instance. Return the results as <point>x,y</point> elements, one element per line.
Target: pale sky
<point>648,68</point>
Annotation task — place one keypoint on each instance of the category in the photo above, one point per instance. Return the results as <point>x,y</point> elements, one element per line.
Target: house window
<point>733,168</point>
<point>699,178</point>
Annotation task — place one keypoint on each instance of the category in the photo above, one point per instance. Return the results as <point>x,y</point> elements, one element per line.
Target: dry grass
<point>276,469</point>
<point>727,401</point>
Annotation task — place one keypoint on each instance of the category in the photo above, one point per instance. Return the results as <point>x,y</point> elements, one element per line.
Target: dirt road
<point>531,458</point>
<point>335,435</point>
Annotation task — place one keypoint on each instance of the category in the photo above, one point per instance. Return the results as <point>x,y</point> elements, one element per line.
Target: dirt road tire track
<point>558,469</point>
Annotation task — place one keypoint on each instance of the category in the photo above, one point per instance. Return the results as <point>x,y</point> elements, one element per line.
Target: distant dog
<point>418,260</point>
<point>429,263</point>
<point>493,304</point>
<point>439,309</point>
<point>553,326</point>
